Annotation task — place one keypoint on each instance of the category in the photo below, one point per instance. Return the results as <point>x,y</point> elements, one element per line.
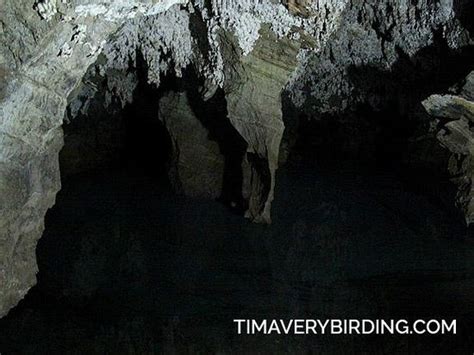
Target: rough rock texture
<point>46,48</point>
<point>455,117</point>
<point>93,134</point>
<point>197,165</point>
<point>32,107</point>
<point>370,34</point>
<point>338,39</point>
<point>31,137</point>
<point>253,89</point>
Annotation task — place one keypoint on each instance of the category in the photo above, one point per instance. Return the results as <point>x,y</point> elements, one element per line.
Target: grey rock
<point>197,164</point>
<point>31,113</point>
<point>455,116</point>
<point>254,85</point>
<point>44,55</point>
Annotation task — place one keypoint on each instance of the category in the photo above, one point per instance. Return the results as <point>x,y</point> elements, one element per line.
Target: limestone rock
<point>197,165</point>
<point>31,112</point>
<point>254,85</point>
<point>455,114</point>
<point>300,7</point>
<point>249,49</point>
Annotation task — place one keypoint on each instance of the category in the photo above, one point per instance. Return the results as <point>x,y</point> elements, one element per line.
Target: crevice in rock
<point>147,145</point>
<point>214,117</point>
<point>111,135</point>
<point>207,151</point>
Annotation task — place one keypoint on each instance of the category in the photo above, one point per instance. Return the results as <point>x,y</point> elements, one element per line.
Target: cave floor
<point>128,267</point>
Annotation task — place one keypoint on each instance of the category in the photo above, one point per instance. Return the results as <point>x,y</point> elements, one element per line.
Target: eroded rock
<point>197,165</point>
<point>455,114</point>
<point>31,114</point>
<point>248,49</point>
<point>254,85</point>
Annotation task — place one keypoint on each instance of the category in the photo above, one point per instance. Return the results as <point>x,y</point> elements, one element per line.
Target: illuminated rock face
<point>253,51</point>
<point>455,116</point>
<point>33,101</point>
<point>253,92</point>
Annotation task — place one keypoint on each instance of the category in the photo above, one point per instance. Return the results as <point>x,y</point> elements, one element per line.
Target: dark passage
<point>147,145</point>
<point>129,267</point>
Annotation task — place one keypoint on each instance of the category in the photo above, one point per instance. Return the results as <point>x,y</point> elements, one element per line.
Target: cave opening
<point>128,265</point>
<point>114,168</point>
<point>129,138</point>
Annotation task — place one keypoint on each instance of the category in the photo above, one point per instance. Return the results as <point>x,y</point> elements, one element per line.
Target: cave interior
<point>363,212</point>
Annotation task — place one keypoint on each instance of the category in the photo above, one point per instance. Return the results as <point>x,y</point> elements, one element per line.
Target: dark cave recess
<point>131,137</point>
<point>128,266</point>
<point>383,126</point>
<point>388,129</point>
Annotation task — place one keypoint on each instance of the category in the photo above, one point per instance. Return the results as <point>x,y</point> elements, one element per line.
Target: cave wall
<point>44,60</point>
<point>253,89</point>
<point>454,114</point>
<point>94,135</point>
<point>197,164</point>
<point>251,50</point>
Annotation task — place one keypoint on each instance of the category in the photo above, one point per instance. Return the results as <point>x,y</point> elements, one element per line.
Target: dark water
<point>128,267</point>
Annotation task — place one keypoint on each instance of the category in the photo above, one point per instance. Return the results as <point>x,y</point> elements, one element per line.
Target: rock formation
<point>253,89</point>
<point>40,79</point>
<point>197,165</point>
<point>455,116</point>
<point>252,51</point>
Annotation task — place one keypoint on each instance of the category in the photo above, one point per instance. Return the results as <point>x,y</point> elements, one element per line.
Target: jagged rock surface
<point>197,165</point>
<point>32,107</point>
<point>253,89</point>
<point>45,51</point>
<point>455,115</point>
